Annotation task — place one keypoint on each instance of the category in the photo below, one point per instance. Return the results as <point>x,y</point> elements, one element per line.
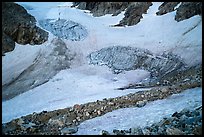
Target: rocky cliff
<point>134,10</point>
<point>184,11</point>
<point>19,26</point>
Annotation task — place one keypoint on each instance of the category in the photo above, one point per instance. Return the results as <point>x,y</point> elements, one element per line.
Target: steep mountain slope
<point>96,59</point>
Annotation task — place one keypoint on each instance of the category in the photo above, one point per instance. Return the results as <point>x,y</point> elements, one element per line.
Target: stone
<point>146,131</point>
<point>141,103</point>
<point>29,125</point>
<point>190,120</point>
<point>104,132</point>
<point>99,112</point>
<point>20,121</point>
<point>174,131</point>
<point>118,132</point>
<point>197,130</point>
<point>87,114</point>
<point>56,122</point>
<point>136,131</point>
<point>69,130</point>
<point>164,90</point>
<point>77,106</point>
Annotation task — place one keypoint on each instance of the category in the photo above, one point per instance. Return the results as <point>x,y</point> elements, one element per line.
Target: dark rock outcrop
<point>134,13</point>
<point>167,7</point>
<point>134,10</point>
<point>19,26</point>
<point>184,11</point>
<point>187,10</point>
<point>102,8</point>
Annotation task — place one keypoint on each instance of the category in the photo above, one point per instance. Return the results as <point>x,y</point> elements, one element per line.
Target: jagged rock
<point>133,10</point>
<point>167,7</point>
<point>184,11</point>
<point>65,29</point>
<point>118,132</point>
<point>136,131</point>
<point>197,130</point>
<point>174,131</point>
<point>102,8</point>
<point>56,122</point>
<point>19,26</point>
<point>187,10</point>
<point>134,13</point>
<point>141,103</point>
<point>104,132</point>
<point>69,130</point>
<point>7,43</point>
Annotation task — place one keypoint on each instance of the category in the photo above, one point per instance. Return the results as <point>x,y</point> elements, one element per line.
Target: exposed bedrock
<point>135,10</point>
<point>184,11</point>
<point>19,26</point>
<point>187,10</point>
<point>167,7</point>
<point>102,8</point>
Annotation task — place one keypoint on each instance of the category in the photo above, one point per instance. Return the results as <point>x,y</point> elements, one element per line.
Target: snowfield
<point>83,82</point>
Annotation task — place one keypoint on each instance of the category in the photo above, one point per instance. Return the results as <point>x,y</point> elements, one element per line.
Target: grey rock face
<point>102,8</point>
<point>44,67</point>
<point>134,10</point>
<point>19,26</point>
<point>120,58</point>
<point>187,10</point>
<point>134,13</point>
<point>184,11</point>
<point>167,7</point>
<point>65,29</point>
<point>69,130</point>
<point>7,43</point>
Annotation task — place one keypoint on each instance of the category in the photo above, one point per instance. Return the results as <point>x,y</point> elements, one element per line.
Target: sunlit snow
<point>83,82</point>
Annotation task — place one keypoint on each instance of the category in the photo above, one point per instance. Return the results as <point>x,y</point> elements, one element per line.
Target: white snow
<point>83,82</point>
<point>152,112</point>
<point>69,87</point>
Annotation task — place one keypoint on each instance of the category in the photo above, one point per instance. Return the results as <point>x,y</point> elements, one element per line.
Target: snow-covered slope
<point>83,82</point>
